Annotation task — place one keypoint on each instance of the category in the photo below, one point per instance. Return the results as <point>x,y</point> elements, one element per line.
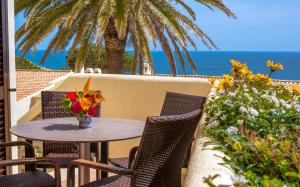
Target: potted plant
<point>85,104</point>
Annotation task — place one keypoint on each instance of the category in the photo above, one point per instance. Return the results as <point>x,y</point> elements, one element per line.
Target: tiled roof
<point>32,81</point>
<point>285,83</point>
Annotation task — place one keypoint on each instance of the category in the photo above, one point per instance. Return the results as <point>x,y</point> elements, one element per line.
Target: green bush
<point>257,126</point>
<point>97,59</point>
<point>23,63</point>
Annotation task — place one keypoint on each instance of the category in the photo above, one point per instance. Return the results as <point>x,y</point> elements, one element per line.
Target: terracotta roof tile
<point>32,81</point>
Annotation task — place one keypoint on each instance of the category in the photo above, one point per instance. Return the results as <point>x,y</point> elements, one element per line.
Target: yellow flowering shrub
<point>257,126</point>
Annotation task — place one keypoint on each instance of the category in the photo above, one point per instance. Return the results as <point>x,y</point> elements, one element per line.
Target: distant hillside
<point>23,63</point>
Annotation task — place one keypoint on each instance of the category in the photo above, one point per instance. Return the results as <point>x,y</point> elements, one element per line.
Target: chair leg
<point>98,160</point>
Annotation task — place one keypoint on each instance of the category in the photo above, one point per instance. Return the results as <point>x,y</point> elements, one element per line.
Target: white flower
<point>297,107</point>
<point>223,117</point>
<point>275,100</point>
<point>253,112</point>
<point>255,90</point>
<point>213,123</point>
<point>232,94</point>
<point>243,109</point>
<point>232,130</point>
<point>240,122</point>
<point>274,111</point>
<point>228,103</point>
<point>250,98</point>
<point>282,102</point>
<point>298,141</point>
<point>288,106</point>
<point>239,179</point>
<point>285,104</point>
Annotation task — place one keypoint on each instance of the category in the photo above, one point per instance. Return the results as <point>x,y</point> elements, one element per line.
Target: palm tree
<point>80,23</point>
<point>97,59</point>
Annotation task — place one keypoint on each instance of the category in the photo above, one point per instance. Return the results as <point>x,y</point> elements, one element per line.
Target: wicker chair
<point>174,104</point>
<point>158,161</point>
<point>64,153</point>
<point>34,177</point>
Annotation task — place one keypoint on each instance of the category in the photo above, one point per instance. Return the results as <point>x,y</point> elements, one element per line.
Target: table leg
<point>104,157</point>
<point>84,172</point>
<point>28,155</point>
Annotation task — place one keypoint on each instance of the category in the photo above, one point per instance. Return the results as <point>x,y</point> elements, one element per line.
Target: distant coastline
<point>207,62</point>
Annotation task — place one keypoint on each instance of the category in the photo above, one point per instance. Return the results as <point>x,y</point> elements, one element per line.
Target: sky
<point>261,25</point>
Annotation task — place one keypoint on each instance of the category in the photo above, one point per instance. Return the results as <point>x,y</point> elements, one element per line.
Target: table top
<point>67,130</point>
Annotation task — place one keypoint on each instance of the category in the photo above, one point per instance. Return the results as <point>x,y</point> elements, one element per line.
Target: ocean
<point>207,62</point>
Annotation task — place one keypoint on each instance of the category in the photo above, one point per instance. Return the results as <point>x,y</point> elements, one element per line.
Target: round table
<point>66,130</point>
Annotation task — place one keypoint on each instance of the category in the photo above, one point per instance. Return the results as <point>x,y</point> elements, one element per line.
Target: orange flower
<point>212,80</point>
<point>95,97</point>
<point>86,87</point>
<point>85,103</point>
<point>98,97</point>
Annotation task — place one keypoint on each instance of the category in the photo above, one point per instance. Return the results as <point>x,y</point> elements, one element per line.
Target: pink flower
<point>92,111</point>
<point>76,107</point>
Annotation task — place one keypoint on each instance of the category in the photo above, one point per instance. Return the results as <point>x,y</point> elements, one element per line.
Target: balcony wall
<point>134,97</point>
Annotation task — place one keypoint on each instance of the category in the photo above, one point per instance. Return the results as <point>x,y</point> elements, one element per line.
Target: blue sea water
<point>207,62</point>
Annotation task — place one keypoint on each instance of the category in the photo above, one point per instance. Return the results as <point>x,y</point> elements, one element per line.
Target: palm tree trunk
<point>115,49</point>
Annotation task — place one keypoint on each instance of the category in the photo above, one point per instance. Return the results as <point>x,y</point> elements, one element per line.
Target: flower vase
<point>85,121</point>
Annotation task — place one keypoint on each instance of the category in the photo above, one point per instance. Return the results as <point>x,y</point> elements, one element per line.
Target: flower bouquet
<point>85,104</point>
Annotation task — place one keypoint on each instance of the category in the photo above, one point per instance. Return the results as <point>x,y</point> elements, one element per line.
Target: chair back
<point>176,103</point>
<point>52,108</point>
<point>163,149</point>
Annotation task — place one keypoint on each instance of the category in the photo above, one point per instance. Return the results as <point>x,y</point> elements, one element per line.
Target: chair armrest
<point>94,165</point>
<point>5,163</point>
<point>19,143</point>
<point>132,155</point>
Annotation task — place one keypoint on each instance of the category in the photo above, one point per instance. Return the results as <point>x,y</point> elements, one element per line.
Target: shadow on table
<point>62,127</point>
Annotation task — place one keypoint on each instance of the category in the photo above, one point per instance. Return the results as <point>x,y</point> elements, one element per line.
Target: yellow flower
<point>251,77</point>
<point>85,103</point>
<point>227,77</point>
<point>265,78</point>
<point>295,89</point>
<point>257,144</point>
<point>212,80</point>
<point>245,72</point>
<point>271,138</point>
<point>225,83</point>
<point>238,146</point>
<point>273,66</point>
<point>237,64</point>
<point>219,86</point>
